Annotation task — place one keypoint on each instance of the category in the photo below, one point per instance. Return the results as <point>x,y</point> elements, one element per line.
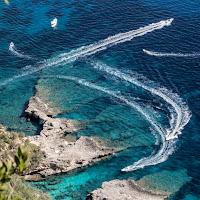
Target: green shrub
<point>35,154</point>
<point>2,144</point>
<point>12,185</point>
<point>21,134</point>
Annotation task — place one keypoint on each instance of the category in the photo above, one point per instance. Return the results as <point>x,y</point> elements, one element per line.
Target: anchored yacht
<point>54,22</point>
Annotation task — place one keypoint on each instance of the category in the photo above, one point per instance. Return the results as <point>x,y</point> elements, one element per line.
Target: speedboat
<point>54,22</point>
<point>171,137</point>
<point>169,21</point>
<point>145,51</point>
<point>11,45</point>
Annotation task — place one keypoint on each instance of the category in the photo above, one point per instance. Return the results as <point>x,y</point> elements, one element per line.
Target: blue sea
<point>92,67</point>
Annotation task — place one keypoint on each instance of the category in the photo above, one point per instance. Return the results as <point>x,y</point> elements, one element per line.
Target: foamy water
<point>65,58</point>
<point>14,51</point>
<point>84,51</point>
<point>180,117</point>
<point>160,54</point>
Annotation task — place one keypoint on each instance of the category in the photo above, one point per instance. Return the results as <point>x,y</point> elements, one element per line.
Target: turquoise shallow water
<point>80,23</point>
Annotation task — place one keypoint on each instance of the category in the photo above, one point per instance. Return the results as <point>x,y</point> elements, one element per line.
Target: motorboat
<point>169,21</point>
<point>11,45</point>
<point>171,137</point>
<point>145,51</point>
<point>54,22</point>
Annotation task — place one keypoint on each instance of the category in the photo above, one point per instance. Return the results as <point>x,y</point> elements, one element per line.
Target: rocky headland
<point>157,186</point>
<point>123,189</point>
<point>62,154</point>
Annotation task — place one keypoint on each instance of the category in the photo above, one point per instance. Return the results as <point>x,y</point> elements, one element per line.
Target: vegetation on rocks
<point>18,156</point>
<point>24,191</point>
<point>9,142</point>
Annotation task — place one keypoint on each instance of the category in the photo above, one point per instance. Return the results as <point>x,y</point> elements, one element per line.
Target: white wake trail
<point>167,147</point>
<point>177,123</point>
<point>73,55</point>
<point>113,40</point>
<point>15,52</point>
<point>160,54</point>
<point>182,111</point>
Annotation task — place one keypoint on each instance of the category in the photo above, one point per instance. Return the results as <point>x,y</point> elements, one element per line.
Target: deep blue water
<point>80,23</point>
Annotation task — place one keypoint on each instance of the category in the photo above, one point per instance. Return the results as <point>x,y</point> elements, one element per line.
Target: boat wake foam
<point>180,118</point>
<point>167,147</point>
<point>159,54</point>
<point>18,54</point>
<point>179,112</point>
<point>73,55</point>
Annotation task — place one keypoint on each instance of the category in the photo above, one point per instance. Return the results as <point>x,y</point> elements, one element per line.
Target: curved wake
<point>167,147</point>
<point>73,55</point>
<point>159,54</point>
<point>179,119</point>
<point>15,52</point>
<point>62,59</point>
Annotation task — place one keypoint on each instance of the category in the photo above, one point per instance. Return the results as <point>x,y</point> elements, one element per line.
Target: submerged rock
<point>165,182</point>
<point>123,189</point>
<point>156,186</point>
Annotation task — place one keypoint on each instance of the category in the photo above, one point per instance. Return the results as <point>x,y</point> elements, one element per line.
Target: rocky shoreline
<point>123,189</point>
<point>62,154</point>
<point>65,153</point>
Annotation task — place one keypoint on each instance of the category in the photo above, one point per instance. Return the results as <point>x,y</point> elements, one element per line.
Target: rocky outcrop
<point>38,109</point>
<point>62,155</point>
<point>51,126</point>
<point>155,186</point>
<point>123,190</point>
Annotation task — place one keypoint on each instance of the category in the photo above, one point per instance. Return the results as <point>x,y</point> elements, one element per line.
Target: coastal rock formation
<point>155,186</point>
<point>62,155</point>
<point>38,109</point>
<point>51,126</point>
<point>123,189</point>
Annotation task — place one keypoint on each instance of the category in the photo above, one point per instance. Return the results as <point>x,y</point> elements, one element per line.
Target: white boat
<point>145,51</point>
<point>11,45</point>
<point>171,137</point>
<point>169,21</point>
<point>54,22</point>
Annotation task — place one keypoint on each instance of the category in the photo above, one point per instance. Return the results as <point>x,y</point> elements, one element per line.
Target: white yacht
<point>11,45</point>
<point>169,21</point>
<point>54,22</point>
<point>146,51</point>
<point>168,137</point>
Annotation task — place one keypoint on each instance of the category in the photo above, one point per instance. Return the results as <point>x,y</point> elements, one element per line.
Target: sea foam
<point>180,116</point>
<point>84,51</point>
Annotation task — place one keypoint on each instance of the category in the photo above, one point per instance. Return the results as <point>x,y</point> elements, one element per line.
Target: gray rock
<point>51,126</point>
<point>123,190</point>
<point>62,155</point>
